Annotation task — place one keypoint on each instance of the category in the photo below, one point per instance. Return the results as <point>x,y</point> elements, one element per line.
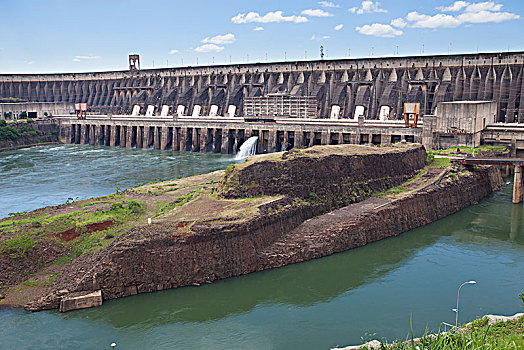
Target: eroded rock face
<point>336,175</point>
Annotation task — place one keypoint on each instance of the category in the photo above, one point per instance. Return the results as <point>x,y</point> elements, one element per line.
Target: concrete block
<point>81,301</point>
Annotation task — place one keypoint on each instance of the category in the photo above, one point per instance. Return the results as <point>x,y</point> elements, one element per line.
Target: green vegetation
<point>469,150</point>
<point>18,246</point>
<point>477,335</point>
<point>8,132</point>
<point>401,188</point>
<point>178,202</point>
<point>440,163</point>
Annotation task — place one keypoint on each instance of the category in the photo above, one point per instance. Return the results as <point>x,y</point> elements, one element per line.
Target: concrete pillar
<point>122,136</point>
<point>385,139</point>
<point>182,140</point>
<point>517,185</point>
<point>324,138</point>
<point>96,135</point>
<point>107,135</point>
<point>311,138</point>
<point>112,137</point>
<point>139,135</point>
<point>299,139</point>
<point>204,142</point>
<point>145,137</point>
<point>195,142</point>
<point>507,171</point>
<point>92,139</point>
<point>176,141</point>
<point>129,137</point>
<point>354,139</point>
<point>156,137</point>
<point>272,142</point>
<point>164,137</point>
<point>215,143</point>
<point>83,134</point>
<point>225,141</point>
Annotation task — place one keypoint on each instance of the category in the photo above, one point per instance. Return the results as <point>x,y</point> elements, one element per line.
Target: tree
<point>23,115</point>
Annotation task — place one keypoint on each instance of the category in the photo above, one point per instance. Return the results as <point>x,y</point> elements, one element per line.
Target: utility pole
<point>321,52</point>
<point>305,54</point>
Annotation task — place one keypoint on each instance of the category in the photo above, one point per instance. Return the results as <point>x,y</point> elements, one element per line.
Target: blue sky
<point>94,35</point>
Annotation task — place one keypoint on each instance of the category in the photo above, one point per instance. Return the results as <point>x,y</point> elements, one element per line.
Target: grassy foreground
<point>479,334</point>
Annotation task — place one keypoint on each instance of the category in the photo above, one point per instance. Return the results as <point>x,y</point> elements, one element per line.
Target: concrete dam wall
<point>370,83</point>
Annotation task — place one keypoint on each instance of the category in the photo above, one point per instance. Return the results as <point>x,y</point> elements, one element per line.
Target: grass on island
<point>469,150</point>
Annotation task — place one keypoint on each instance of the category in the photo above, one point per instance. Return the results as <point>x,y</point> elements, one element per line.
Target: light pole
<point>458,297</point>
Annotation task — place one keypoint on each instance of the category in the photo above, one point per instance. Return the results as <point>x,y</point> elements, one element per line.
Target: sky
<point>47,36</point>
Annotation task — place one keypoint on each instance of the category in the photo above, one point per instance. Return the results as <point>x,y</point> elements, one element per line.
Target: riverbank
<point>488,332</point>
<point>239,234</point>
<point>28,134</point>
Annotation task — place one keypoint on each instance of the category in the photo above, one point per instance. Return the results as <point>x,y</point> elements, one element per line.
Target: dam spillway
<point>371,83</point>
<point>226,135</point>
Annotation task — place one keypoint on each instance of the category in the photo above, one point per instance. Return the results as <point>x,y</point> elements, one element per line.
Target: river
<point>365,293</point>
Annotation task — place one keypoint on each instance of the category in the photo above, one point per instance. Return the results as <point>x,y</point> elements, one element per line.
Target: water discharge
<point>248,148</point>
<point>369,292</point>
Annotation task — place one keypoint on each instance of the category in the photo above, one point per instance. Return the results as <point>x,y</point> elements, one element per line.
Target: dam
<point>370,87</point>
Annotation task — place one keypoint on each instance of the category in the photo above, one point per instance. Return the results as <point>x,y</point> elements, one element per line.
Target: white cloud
<point>367,6</point>
<point>481,12</point>
<point>270,17</point>
<point>258,29</point>
<point>399,23</point>
<point>29,62</point>
<point>172,52</point>
<point>457,6</point>
<point>483,6</point>
<point>339,27</point>
<point>380,30</point>
<point>87,57</point>
<point>439,20</point>
<point>220,39</point>
<point>316,13</point>
<point>209,48</point>
<point>486,17</point>
<point>83,58</point>
<point>325,37</point>
<point>328,4</point>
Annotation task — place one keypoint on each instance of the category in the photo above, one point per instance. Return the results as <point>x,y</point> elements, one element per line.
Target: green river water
<point>366,293</point>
